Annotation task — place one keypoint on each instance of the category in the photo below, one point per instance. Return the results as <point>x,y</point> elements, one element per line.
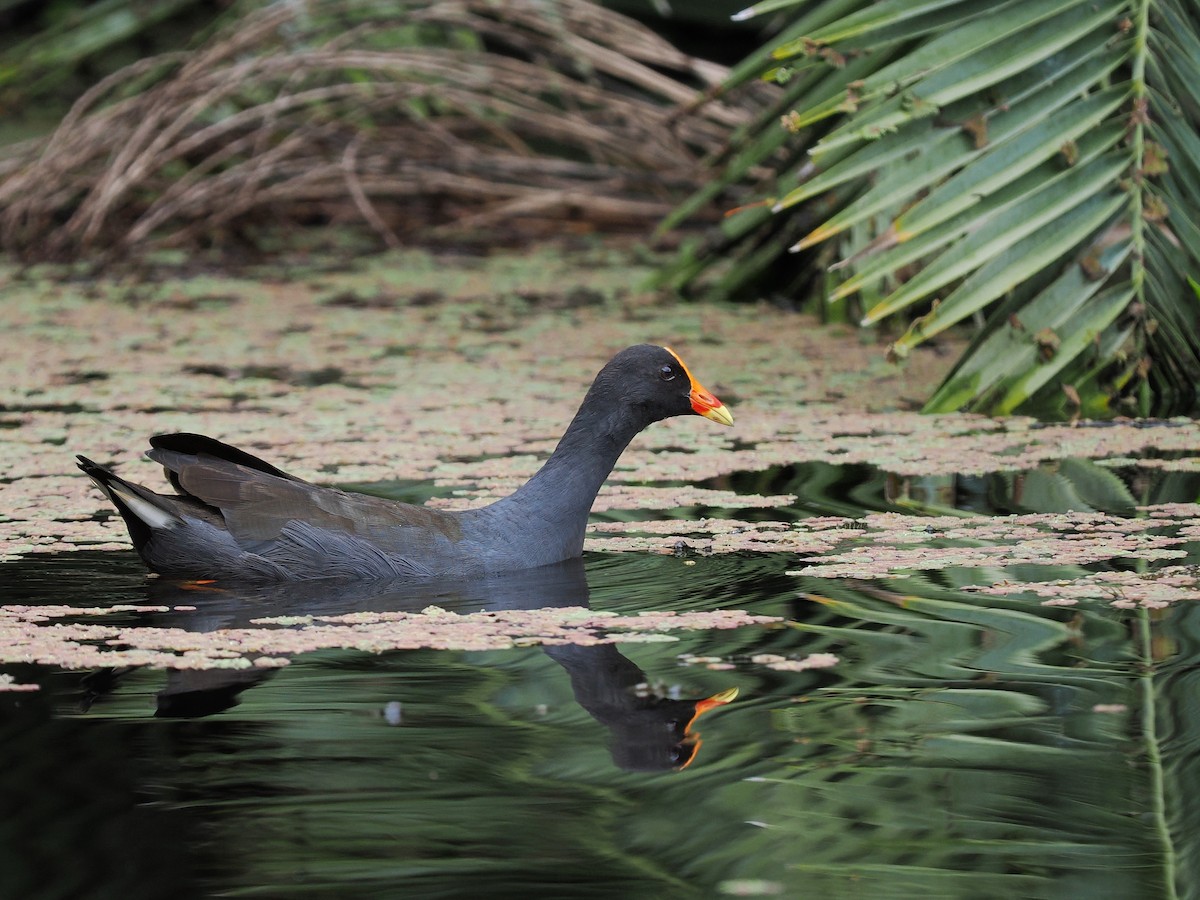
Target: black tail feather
<point>197,444</point>
<point>139,530</point>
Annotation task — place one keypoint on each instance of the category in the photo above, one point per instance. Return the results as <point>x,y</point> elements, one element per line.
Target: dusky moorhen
<point>238,517</point>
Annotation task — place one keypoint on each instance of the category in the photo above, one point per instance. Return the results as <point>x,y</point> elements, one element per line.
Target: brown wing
<point>258,504</point>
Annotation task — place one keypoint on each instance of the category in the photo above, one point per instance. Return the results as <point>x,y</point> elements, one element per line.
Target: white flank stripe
<point>145,510</point>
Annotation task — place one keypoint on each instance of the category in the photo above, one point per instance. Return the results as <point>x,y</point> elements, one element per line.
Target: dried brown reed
<point>497,116</point>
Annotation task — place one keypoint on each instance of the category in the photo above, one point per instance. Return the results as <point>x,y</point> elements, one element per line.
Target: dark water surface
<point>962,747</point>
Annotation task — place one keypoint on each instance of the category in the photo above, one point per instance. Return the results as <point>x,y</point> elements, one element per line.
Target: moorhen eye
<point>666,373</point>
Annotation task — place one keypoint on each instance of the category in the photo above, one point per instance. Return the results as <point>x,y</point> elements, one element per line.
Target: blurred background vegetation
<point>1025,168</point>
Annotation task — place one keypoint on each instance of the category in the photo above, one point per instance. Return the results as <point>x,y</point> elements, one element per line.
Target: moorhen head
<point>238,517</point>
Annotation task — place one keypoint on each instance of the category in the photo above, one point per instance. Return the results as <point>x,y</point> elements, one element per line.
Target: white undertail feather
<point>152,515</point>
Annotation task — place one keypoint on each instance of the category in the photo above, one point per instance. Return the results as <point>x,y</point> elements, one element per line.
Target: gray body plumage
<point>236,516</point>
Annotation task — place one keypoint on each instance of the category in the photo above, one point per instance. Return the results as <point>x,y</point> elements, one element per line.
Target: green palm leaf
<point>1031,165</point>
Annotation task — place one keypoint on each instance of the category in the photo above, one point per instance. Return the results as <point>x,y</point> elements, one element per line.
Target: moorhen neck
<point>236,516</point>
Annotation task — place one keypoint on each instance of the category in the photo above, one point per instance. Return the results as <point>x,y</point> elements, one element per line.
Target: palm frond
<point>1033,162</point>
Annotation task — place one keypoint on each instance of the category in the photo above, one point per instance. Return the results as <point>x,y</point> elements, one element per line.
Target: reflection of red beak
<point>691,740</point>
<point>726,696</point>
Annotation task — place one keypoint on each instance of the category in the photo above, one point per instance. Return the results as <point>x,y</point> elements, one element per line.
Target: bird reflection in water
<point>648,732</point>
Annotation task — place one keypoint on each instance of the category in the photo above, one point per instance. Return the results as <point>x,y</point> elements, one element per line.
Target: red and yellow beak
<point>726,696</point>
<point>703,402</point>
<point>692,739</point>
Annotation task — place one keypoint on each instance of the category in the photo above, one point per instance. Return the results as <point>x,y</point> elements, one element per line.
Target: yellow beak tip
<point>719,414</point>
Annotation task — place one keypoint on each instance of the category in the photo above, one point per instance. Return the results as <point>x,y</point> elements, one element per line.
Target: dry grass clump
<point>422,117</point>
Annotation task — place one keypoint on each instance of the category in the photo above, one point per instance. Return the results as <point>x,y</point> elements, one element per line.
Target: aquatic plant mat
<point>452,376</point>
<point>963,649</point>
